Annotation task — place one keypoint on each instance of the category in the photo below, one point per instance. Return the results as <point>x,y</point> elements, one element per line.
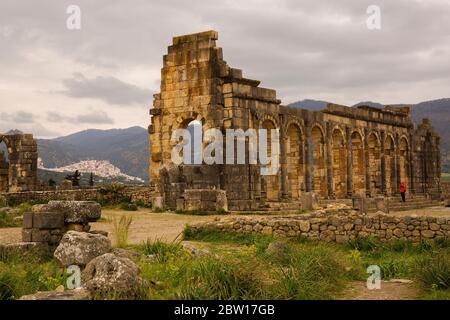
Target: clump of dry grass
<point>121,227</point>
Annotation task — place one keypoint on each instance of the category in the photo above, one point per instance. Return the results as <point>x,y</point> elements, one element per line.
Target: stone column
<point>383,164</point>
<point>349,162</point>
<point>366,162</point>
<point>397,165</point>
<point>329,165</point>
<point>283,163</point>
<point>308,162</point>
<point>411,166</point>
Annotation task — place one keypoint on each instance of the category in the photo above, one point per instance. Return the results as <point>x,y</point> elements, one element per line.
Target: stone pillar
<point>283,163</point>
<point>383,164</point>
<point>348,133</point>
<point>411,187</point>
<point>397,165</point>
<point>329,165</point>
<point>366,162</point>
<point>308,160</point>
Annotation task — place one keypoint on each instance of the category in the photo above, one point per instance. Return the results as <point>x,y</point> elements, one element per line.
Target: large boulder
<point>112,277</point>
<point>79,248</point>
<point>80,212</point>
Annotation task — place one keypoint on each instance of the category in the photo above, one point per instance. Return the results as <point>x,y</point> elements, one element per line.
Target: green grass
<point>26,274</point>
<point>445,177</point>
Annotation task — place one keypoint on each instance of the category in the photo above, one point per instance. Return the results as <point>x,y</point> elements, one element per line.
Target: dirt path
<point>357,290</point>
<point>431,211</point>
<point>145,225</point>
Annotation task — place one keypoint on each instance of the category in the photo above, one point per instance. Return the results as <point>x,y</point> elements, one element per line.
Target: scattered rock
<point>195,252</point>
<point>59,294</point>
<point>109,276</point>
<point>79,248</point>
<point>103,233</point>
<point>277,249</point>
<point>125,253</point>
<point>9,211</point>
<point>401,281</point>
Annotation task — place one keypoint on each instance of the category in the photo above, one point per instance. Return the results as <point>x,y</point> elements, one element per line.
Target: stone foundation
<point>335,225</point>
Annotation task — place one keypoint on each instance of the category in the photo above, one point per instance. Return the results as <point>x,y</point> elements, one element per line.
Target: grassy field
<point>241,266</point>
<point>445,177</point>
<point>254,267</point>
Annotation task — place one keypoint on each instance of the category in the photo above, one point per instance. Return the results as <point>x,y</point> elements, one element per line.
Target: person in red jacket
<point>403,191</point>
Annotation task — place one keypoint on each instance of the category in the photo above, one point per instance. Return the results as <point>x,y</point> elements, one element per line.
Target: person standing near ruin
<point>403,191</point>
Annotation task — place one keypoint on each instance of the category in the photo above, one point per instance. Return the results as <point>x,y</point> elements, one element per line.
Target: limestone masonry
<point>335,225</point>
<point>339,152</point>
<point>18,171</point>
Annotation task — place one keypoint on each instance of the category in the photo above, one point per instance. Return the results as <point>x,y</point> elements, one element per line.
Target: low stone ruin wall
<point>335,225</point>
<point>445,188</point>
<point>203,199</point>
<point>135,193</point>
<point>47,223</point>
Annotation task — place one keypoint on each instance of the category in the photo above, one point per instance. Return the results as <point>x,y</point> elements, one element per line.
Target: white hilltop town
<point>101,168</point>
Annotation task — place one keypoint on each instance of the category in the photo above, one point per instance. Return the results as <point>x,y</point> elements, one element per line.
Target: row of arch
<point>337,164</point>
<point>340,164</point>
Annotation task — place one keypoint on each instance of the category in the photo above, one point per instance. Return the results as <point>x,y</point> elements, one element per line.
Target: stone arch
<point>339,162</point>
<point>404,161</point>
<point>374,145</point>
<point>389,156</point>
<point>270,185</point>
<point>295,159</point>
<point>21,172</point>
<point>358,174</point>
<point>318,172</point>
<point>4,165</point>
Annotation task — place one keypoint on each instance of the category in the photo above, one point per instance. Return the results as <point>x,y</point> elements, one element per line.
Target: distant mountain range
<point>127,149</point>
<point>438,111</point>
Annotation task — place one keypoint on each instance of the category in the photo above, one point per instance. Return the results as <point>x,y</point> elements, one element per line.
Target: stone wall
<point>445,190</point>
<point>135,193</point>
<point>335,225</point>
<point>20,174</point>
<point>338,152</point>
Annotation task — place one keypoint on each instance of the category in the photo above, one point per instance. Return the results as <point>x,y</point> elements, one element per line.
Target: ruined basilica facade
<point>338,152</point>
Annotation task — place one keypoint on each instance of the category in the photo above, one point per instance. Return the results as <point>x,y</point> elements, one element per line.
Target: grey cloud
<point>18,117</point>
<point>301,48</point>
<point>91,117</point>
<point>109,89</point>
<point>95,117</point>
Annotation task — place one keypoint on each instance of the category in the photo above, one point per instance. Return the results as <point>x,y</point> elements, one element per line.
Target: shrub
<point>209,278</point>
<point>433,270</point>
<point>365,244</point>
<point>128,206</point>
<point>142,204</point>
<point>163,251</point>
<point>26,274</point>
<point>121,227</point>
<point>312,273</point>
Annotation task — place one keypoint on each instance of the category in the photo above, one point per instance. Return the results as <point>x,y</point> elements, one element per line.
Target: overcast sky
<point>55,81</point>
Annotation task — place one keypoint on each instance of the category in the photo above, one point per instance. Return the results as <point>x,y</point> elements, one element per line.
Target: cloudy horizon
<point>56,81</point>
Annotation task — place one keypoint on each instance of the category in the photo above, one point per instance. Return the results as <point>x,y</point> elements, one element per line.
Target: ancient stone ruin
<point>339,152</point>
<point>18,168</point>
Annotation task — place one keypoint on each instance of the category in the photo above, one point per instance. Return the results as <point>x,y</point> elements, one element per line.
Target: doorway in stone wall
<point>4,167</point>
<point>339,160</point>
<point>358,177</point>
<point>318,174</point>
<point>295,171</point>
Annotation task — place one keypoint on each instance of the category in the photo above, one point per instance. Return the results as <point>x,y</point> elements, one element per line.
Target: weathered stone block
<point>48,220</point>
